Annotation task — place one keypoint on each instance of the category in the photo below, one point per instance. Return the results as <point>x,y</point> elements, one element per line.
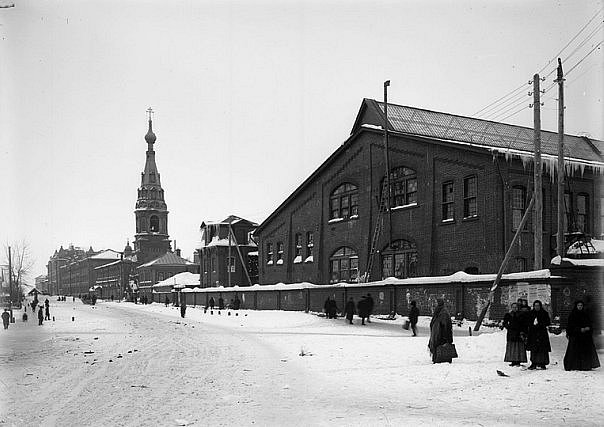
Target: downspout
<point>504,187</point>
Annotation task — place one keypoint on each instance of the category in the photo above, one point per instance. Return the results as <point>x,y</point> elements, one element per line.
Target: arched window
<point>399,260</point>
<point>154,224</point>
<point>344,202</point>
<point>344,265</point>
<point>403,182</point>
<point>518,205</point>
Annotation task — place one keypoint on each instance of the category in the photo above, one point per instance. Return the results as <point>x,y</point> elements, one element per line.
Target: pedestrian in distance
<point>211,303</point>
<point>515,352</point>
<point>581,352</point>
<point>46,312</point>
<point>5,318</point>
<point>333,308</point>
<point>349,310</point>
<point>111,297</point>
<point>363,309</point>
<point>370,305</point>
<point>413,317</point>
<point>183,308</point>
<point>24,317</point>
<point>220,303</point>
<point>40,316</point>
<point>236,304</point>
<point>167,301</point>
<point>441,333</point>
<point>538,338</point>
<point>326,306</point>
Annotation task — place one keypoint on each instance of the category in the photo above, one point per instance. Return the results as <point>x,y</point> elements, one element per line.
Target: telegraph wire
<point>514,100</point>
<point>585,57</point>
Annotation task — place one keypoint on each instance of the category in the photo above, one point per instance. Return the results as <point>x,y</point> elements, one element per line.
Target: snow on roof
<point>585,262</point>
<point>581,248</point>
<point>168,258</point>
<point>216,241</point>
<point>107,254</point>
<point>179,280</point>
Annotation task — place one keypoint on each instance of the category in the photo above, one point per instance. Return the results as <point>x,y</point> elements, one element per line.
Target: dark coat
<point>413,315</point>
<point>5,316</point>
<point>581,353</point>
<point>40,314</point>
<point>441,329</point>
<point>538,338</point>
<point>349,310</point>
<point>363,307</point>
<point>370,304</point>
<point>515,323</point>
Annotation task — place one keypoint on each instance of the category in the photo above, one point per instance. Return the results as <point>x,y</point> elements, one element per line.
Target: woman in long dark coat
<point>441,330</point>
<point>349,310</point>
<point>538,338</point>
<point>514,348</point>
<point>581,353</point>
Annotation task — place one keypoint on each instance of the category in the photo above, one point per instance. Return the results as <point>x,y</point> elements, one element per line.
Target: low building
<point>228,255</point>
<point>113,279</point>
<point>160,269</point>
<point>458,190</point>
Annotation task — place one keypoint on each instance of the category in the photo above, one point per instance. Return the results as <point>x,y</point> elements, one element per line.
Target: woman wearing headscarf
<point>538,338</point>
<point>441,330</point>
<point>514,348</point>
<point>581,353</point>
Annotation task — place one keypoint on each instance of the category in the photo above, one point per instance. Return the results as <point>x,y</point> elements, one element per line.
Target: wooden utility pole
<point>504,263</point>
<point>229,257</point>
<point>10,282</point>
<point>560,237</point>
<point>387,157</point>
<point>538,193</point>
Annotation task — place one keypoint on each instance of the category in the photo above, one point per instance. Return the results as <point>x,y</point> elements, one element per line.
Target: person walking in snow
<point>167,301</point>
<point>183,308</point>
<point>46,310</point>
<point>236,303</point>
<point>220,303</point>
<point>40,316</point>
<point>370,305</point>
<point>363,309</point>
<point>538,337</point>
<point>515,325</point>
<point>5,318</point>
<point>581,353</point>
<point>211,303</point>
<point>349,310</point>
<point>413,317</point>
<point>441,330</point>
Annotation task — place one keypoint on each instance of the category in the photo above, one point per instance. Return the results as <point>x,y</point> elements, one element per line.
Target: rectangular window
<point>213,264</point>
<point>354,204</point>
<point>279,252</point>
<point>447,201</point>
<point>345,207</point>
<point>583,213</point>
<point>470,208</point>
<point>354,268</point>
<point>309,246</point>
<point>231,264</point>
<point>521,264</point>
<point>335,208</point>
<point>518,206</point>
<point>298,245</point>
<point>269,253</point>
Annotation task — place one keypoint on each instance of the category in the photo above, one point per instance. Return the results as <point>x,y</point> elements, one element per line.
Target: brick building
<point>224,245</point>
<point>59,259</point>
<point>459,187</point>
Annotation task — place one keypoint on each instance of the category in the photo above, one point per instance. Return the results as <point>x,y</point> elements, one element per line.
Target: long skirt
<point>581,354</point>
<point>540,357</point>
<point>515,352</point>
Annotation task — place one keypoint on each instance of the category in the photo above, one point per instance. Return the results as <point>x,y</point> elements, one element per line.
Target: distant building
<point>78,276</point>
<point>160,269</point>
<point>228,245</point>
<point>458,190</point>
<point>60,258</point>
<point>114,278</point>
<point>41,283</point>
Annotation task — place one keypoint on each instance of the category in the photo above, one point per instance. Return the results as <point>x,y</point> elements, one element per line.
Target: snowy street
<point>126,364</point>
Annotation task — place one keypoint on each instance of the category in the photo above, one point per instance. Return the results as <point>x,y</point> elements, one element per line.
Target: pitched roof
<point>478,132</point>
<point>107,254</point>
<point>169,258</point>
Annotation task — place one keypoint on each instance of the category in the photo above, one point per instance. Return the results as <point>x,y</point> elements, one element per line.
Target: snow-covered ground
<point>126,364</point>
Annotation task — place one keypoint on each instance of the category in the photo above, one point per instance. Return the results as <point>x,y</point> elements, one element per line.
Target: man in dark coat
<point>211,302</point>
<point>370,305</point>
<point>46,309</point>
<point>183,308</point>
<point>40,316</point>
<point>413,317</point>
<point>349,310</point>
<point>236,304</point>
<point>538,337</point>
<point>220,303</point>
<point>581,352</point>
<point>167,301</point>
<point>363,309</point>
<point>441,330</point>
<point>5,318</point>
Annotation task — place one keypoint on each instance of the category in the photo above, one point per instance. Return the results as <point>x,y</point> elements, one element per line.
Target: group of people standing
<point>527,331</point>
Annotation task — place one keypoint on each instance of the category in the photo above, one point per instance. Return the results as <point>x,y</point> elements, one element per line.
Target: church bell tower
<point>151,239</point>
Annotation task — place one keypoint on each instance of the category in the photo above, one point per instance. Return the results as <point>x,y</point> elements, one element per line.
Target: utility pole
<point>387,156</point>
<point>560,237</point>
<point>229,257</point>
<point>538,192</point>
<point>10,283</point>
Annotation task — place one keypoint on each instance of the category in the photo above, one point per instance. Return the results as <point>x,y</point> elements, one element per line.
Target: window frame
<point>344,202</point>
<point>347,265</point>
<point>469,198</point>
<point>400,249</point>
<point>280,251</point>
<point>583,225</point>
<point>269,253</point>
<point>448,205</point>
<point>401,195</point>
<point>521,210</point>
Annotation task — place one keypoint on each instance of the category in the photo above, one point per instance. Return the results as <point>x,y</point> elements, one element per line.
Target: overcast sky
<point>250,97</point>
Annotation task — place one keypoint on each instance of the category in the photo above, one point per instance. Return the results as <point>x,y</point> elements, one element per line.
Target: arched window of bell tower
<point>154,223</point>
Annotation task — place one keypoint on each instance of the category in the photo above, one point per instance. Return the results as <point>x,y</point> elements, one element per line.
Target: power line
<point>503,97</point>
<point>514,113</point>
<point>505,105</point>
<point>583,59</point>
